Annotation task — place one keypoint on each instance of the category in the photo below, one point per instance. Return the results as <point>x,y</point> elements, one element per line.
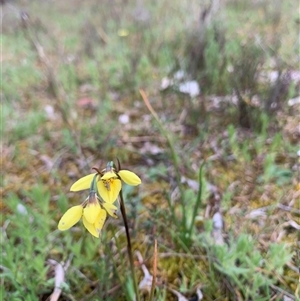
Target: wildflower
<point>93,216</point>
<point>93,212</point>
<point>108,182</point>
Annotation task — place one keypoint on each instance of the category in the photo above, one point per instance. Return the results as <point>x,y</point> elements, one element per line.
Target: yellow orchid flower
<point>93,216</point>
<point>110,186</point>
<point>108,182</point>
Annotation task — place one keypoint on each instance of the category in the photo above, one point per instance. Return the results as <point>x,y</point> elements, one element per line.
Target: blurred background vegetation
<point>223,77</point>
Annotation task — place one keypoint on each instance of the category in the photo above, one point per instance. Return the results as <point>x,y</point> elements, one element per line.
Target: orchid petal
<point>111,209</point>
<point>83,183</point>
<point>129,177</point>
<point>90,227</point>
<point>110,190</point>
<point>91,212</point>
<point>109,175</point>
<point>100,220</point>
<point>70,218</point>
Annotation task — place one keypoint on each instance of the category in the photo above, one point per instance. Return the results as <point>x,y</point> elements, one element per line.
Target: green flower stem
<point>93,184</point>
<point>198,201</point>
<point>129,247</point>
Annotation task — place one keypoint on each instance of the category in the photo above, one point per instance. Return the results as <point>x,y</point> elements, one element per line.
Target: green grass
<point>250,171</point>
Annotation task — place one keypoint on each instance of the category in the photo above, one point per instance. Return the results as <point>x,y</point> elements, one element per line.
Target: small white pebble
<point>22,209</point>
<point>49,112</point>
<point>218,221</point>
<point>124,119</point>
<point>190,87</point>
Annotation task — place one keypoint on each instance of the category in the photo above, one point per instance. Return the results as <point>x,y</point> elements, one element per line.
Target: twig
<point>283,292</point>
<point>154,272</point>
<point>146,282</point>
<point>182,255</point>
<point>288,208</point>
<point>179,296</point>
<point>59,278</point>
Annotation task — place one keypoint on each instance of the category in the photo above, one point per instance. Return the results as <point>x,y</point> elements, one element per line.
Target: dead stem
<point>154,272</point>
